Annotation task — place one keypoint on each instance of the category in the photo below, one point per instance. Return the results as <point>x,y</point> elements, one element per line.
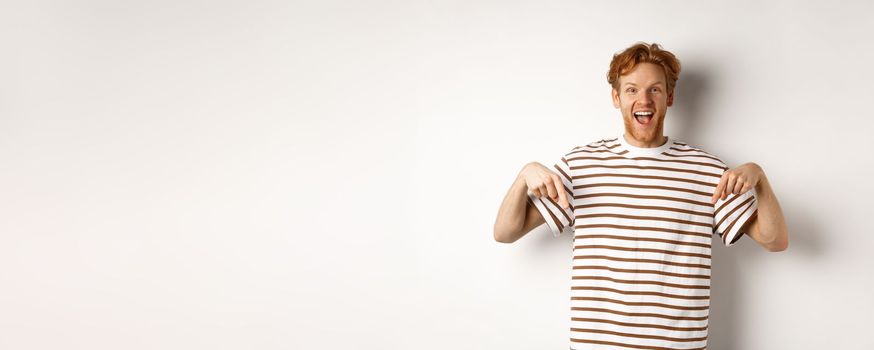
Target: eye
<point>655,89</point>
<point>630,90</point>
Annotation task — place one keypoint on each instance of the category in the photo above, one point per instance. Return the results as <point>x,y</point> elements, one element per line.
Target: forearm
<point>769,228</point>
<point>511,214</point>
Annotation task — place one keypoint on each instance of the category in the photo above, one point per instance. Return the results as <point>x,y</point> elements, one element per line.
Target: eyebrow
<point>633,84</point>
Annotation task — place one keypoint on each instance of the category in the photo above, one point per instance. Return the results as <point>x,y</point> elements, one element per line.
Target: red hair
<point>641,52</point>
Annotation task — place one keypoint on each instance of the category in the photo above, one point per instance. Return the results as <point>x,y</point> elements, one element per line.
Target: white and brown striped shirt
<point>642,224</point>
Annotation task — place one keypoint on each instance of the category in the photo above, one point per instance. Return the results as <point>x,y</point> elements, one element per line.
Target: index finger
<point>562,194</point>
<point>719,189</point>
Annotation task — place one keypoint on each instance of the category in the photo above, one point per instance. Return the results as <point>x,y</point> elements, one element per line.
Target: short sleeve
<point>557,218</point>
<point>731,214</point>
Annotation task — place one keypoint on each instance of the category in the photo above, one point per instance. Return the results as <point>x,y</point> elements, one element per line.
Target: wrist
<point>763,180</point>
<point>524,169</point>
<point>520,177</point>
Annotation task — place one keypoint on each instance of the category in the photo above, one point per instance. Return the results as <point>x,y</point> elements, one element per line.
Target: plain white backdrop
<point>325,174</point>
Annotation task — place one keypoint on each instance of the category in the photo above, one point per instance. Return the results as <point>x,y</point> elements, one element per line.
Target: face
<point>643,100</point>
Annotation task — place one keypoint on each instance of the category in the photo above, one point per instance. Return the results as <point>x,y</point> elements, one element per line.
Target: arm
<point>517,215</point>
<point>767,226</point>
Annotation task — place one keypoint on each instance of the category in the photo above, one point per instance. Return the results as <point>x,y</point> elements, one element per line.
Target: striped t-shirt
<point>642,222</point>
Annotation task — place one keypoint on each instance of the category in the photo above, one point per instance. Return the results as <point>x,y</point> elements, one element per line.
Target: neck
<point>656,142</point>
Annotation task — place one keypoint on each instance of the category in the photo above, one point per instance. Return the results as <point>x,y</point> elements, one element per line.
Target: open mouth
<point>643,117</point>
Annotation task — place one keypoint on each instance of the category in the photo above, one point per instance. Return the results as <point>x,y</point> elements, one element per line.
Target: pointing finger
<point>729,186</point>
<point>719,188</point>
<point>562,194</point>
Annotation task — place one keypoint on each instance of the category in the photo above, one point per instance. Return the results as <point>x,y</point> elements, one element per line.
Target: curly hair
<point>641,52</point>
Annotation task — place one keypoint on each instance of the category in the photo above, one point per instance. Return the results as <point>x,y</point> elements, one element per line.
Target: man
<point>642,208</point>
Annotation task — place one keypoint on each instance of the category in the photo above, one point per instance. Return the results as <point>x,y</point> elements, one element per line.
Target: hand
<point>738,180</point>
<point>541,181</point>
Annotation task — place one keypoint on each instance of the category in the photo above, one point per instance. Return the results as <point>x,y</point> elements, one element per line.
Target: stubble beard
<point>647,137</point>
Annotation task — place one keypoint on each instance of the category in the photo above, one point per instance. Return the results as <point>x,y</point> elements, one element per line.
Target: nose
<point>646,98</point>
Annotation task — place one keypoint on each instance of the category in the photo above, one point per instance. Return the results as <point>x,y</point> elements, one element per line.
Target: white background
<point>325,175</point>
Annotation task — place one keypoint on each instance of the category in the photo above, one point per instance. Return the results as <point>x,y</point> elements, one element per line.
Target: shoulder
<point>601,145</point>
<point>681,149</point>
<point>590,153</point>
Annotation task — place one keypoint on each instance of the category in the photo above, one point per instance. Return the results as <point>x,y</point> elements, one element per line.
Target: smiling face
<point>643,99</point>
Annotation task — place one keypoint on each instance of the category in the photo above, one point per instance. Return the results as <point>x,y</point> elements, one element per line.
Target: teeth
<point>642,113</point>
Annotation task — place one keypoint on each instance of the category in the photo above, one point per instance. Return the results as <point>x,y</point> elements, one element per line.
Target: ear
<point>615,95</point>
<point>671,98</point>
